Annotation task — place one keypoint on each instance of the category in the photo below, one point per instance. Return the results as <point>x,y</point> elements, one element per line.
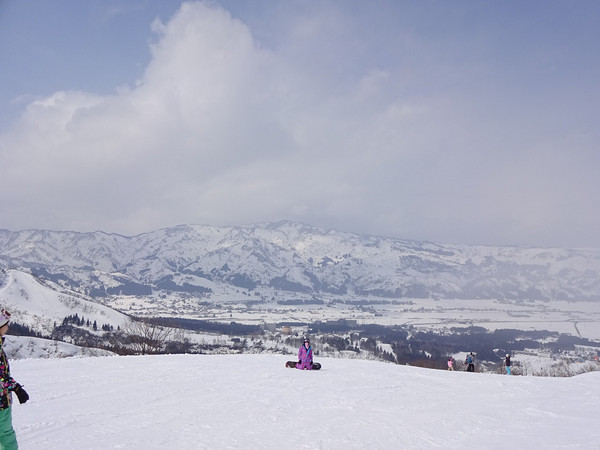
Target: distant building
<point>587,350</point>
<point>345,322</point>
<point>270,326</point>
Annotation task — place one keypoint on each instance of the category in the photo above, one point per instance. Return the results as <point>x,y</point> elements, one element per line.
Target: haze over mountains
<point>294,259</point>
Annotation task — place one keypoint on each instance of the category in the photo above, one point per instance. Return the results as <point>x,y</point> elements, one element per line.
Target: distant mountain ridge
<point>292,258</point>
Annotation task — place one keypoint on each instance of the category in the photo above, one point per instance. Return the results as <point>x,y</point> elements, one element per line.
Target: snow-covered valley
<point>456,327</point>
<point>233,391</point>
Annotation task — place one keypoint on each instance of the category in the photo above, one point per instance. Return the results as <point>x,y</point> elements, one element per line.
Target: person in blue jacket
<point>470,362</point>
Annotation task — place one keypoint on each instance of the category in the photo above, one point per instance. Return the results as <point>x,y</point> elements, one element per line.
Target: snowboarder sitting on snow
<point>470,362</point>
<point>507,364</point>
<point>305,356</point>
<point>8,438</point>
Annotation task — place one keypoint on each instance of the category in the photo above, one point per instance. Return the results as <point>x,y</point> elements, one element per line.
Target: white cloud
<point>319,121</point>
<point>212,126</point>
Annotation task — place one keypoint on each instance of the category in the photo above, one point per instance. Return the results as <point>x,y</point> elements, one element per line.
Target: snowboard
<point>292,365</point>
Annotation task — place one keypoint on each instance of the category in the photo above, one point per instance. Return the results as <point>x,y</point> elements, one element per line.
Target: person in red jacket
<point>8,438</point>
<point>305,356</point>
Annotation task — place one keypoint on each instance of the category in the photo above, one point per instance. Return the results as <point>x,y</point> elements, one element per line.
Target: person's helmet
<point>507,355</point>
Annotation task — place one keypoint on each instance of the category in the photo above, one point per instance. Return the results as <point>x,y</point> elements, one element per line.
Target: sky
<point>453,122</point>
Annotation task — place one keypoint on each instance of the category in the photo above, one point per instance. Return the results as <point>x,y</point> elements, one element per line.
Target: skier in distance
<point>507,363</point>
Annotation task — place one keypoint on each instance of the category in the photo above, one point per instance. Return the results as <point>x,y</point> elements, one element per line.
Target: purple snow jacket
<point>7,383</point>
<point>305,358</point>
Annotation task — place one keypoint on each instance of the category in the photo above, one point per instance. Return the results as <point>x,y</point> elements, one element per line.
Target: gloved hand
<point>22,394</point>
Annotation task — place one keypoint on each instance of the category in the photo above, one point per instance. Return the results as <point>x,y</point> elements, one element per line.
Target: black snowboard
<point>292,365</point>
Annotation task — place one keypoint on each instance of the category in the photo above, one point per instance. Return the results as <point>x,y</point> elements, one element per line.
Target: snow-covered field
<point>254,402</point>
<point>577,318</point>
<point>23,347</point>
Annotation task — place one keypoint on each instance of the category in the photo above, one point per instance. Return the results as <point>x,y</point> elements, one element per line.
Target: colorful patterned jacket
<point>7,383</point>
<point>305,358</point>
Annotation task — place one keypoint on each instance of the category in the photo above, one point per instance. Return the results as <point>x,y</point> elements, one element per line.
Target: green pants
<point>8,438</point>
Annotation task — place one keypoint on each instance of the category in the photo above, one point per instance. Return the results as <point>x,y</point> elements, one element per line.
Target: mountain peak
<point>292,257</point>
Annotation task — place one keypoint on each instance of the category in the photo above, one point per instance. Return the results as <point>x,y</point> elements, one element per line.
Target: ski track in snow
<point>254,402</point>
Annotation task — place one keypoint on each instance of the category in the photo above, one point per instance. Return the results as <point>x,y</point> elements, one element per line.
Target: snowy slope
<point>24,347</point>
<point>39,306</point>
<point>253,402</point>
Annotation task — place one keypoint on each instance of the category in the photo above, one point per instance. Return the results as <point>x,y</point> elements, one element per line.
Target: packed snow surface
<point>254,402</point>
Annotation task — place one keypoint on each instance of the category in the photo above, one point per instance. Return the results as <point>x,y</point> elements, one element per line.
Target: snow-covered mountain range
<point>292,259</point>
